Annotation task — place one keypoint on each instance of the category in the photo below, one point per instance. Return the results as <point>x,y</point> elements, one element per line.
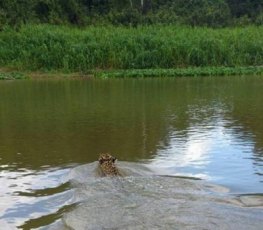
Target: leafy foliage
<point>215,13</point>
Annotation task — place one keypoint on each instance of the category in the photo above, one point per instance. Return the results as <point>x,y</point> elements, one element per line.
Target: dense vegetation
<point>216,13</point>
<point>49,47</point>
<point>164,35</point>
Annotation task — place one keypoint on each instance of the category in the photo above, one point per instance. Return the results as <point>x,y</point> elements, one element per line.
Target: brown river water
<point>191,150</point>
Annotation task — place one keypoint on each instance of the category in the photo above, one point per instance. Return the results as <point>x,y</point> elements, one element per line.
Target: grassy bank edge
<point>7,74</point>
<point>181,72</point>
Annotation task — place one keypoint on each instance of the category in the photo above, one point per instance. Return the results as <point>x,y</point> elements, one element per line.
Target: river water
<point>191,150</point>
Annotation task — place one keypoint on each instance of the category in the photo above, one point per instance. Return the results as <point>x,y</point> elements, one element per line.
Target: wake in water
<point>142,200</point>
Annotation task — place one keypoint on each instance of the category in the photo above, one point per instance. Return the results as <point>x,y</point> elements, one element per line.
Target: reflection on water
<point>208,128</point>
<point>214,153</point>
<point>28,194</point>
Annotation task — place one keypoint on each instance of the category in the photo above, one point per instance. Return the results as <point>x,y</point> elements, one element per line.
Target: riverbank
<point>145,51</point>
<point>183,72</point>
<point>135,73</point>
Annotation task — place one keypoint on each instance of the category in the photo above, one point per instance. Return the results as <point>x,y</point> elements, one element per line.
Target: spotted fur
<point>107,165</point>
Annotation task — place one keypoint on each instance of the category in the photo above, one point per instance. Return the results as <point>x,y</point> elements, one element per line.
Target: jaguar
<point>107,165</point>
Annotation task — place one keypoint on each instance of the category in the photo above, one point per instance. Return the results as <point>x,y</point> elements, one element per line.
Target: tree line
<point>213,13</point>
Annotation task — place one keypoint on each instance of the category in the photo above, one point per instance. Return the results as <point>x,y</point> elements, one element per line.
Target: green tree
<point>202,12</point>
<point>81,12</point>
<point>16,12</point>
<point>241,8</point>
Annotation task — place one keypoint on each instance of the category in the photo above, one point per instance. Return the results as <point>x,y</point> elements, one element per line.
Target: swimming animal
<point>107,165</point>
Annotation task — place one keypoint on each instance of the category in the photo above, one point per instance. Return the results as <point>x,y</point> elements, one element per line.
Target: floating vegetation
<point>182,72</point>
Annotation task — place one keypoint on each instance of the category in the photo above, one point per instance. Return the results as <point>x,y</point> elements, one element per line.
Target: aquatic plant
<point>181,72</point>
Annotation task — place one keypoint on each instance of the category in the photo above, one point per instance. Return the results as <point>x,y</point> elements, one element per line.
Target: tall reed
<point>47,47</point>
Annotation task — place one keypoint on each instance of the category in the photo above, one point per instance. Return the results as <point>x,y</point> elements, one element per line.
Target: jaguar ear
<point>114,159</point>
<point>100,161</point>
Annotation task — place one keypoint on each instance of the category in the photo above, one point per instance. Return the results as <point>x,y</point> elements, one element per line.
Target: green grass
<point>166,50</point>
